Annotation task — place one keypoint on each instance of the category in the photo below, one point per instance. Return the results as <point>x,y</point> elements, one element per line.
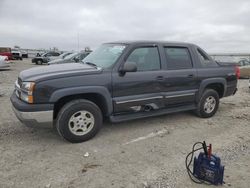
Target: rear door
<point>181,84</point>
<point>133,91</point>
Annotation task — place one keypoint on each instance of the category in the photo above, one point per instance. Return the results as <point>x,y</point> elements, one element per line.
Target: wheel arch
<point>218,84</point>
<point>98,95</point>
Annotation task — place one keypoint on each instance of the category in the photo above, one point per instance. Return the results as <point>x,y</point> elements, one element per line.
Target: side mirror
<point>128,67</point>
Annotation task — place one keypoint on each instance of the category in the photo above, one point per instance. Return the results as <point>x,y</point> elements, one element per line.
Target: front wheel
<point>208,104</point>
<point>79,121</point>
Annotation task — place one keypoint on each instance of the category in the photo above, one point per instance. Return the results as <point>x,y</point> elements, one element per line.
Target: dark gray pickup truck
<point>122,81</point>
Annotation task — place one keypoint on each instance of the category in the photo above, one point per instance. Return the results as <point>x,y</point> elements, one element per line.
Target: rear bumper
<point>230,90</point>
<point>32,113</point>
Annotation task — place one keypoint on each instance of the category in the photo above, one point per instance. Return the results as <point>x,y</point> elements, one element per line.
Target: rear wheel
<point>79,121</point>
<point>39,62</point>
<point>208,104</point>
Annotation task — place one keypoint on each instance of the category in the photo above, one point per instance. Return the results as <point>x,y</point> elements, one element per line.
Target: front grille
<point>17,88</point>
<point>19,81</point>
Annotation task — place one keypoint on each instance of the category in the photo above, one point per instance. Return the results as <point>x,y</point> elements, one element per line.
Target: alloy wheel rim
<point>209,104</point>
<point>81,123</point>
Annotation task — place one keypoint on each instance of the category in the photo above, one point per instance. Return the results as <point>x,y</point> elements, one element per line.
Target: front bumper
<point>4,66</point>
<point>32,113</point>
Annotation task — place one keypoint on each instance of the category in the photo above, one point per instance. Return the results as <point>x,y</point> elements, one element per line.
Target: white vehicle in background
<point>16,54</point>
<point>4,64</point>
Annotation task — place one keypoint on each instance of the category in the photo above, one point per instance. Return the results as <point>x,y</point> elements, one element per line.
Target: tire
<point>79,121</point>
<point>39,62</point>
<point>208,104</point>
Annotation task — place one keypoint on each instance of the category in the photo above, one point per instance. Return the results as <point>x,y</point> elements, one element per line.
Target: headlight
<point>27,89</point>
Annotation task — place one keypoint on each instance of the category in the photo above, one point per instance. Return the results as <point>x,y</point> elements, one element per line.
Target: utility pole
<point>78,41</point>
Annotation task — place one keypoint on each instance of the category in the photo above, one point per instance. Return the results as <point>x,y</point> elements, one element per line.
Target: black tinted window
<point>178,58</point>
<point>146,58</point>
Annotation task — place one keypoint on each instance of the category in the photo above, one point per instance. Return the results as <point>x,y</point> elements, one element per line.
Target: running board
<point>139,115</point>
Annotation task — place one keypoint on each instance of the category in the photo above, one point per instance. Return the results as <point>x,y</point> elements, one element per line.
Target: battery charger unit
<point>207,167</point>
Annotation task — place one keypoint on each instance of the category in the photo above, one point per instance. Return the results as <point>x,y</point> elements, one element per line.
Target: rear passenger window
<point>178,58</point>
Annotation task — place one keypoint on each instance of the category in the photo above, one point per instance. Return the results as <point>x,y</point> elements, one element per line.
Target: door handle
<point>160,78</point>
<point>190,76</point>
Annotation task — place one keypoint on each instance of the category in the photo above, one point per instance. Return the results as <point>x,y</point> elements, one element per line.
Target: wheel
<point>39,62</point>
<point>208,104</point>
<point>79,120</point>
<point>21,58</point>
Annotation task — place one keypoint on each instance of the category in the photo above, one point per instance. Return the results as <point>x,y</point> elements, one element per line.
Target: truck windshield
<point>105,56</point>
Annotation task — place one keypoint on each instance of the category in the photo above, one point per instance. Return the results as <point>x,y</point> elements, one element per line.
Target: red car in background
<point>5,51</point>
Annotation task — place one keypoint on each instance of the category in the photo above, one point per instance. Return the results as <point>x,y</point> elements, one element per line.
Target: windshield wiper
<point>91,64</point>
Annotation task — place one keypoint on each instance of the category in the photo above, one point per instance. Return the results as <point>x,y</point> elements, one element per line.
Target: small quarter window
<point>202,56</point>
<point>204,60</point>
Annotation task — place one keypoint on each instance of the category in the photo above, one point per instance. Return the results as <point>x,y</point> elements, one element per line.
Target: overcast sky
<point>215,25</point>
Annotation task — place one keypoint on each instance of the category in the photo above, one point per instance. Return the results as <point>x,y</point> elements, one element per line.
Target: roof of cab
<point>149,41</point>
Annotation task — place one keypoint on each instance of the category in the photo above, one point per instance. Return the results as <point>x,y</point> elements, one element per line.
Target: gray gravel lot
<point>136,154</point>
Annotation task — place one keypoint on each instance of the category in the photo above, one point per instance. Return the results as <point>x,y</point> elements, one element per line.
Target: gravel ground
<point>137,154</point>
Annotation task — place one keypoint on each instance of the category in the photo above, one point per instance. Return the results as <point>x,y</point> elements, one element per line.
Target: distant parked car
<point>4,63</point>
<point>62,56</point>
<point>5,51</point>
<point>72,58</point>
<point>16,54</point>
<point>24,54</point>
<point>45,58</point>
<point>245,71</point>
<point>243,62</point>
<point>244,66</point>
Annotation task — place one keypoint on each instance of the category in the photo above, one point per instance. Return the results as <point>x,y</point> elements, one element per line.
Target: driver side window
<point>146,58</point>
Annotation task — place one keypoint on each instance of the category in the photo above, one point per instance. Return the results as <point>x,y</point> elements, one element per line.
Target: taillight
<point>237,72</point>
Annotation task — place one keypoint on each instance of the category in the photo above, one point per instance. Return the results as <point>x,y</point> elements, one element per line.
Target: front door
<point>140,90</point>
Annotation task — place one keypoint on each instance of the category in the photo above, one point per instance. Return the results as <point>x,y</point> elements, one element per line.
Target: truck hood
<point>56,71</point>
